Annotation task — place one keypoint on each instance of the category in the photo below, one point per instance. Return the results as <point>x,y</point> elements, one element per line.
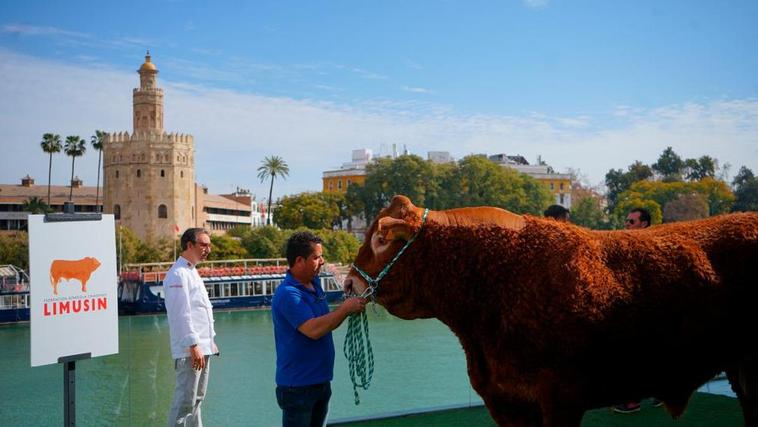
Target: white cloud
<point>235,131</point>
<point>416,89</point>
<point>536,3</point>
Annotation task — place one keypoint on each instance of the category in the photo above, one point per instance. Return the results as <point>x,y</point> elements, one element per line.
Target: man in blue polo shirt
<point>303,328</point>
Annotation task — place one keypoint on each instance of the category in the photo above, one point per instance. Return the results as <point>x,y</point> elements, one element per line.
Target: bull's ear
<point>395,229</point>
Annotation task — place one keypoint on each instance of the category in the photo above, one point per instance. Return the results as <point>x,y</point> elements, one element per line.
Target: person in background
<point>637,218</point>
<point>190,323</point>
<point>558,213</point>
<point>303,328</point>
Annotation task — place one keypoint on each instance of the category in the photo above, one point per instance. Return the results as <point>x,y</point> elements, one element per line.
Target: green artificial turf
<point>704,410</point>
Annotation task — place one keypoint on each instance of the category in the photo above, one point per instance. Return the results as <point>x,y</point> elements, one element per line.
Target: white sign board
<point>73,284</point>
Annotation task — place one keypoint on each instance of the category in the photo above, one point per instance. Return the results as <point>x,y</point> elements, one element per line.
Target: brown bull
<point>80,270</point>
<point>556,319</point>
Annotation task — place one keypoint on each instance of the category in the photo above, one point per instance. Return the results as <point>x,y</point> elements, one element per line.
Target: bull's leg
<point>510,413</point>
<point>84,285</point>
<point>55,287</point>
<point>744,381</point>
<point>559,400</point>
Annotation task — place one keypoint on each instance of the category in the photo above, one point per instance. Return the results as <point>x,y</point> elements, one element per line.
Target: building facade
<point>558,183</point>
<point>14,197</point>
<point>354,172</point>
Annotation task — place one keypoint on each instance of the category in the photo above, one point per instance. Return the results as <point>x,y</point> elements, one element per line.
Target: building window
<point>116,211</point>
<point>561,186</point>
<point>162,211</point>
<point>339,184</point>
<point>552,186</point>
<point>116,174</point>
<point>163,173</point>
<point>181,174</point>
<point>562,200</point>
<point>139,173</point>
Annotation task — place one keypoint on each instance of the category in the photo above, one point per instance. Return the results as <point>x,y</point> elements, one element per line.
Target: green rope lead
<point>360,357</point>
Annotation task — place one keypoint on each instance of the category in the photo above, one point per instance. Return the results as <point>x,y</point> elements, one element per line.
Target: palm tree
<point>97,143</point>
<point>272,166</point>
<point>51,143</point>
<point>35,205</point>
<point>75,147</point>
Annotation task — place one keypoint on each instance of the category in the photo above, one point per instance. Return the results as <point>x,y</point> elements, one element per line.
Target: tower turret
<point>148,99</point>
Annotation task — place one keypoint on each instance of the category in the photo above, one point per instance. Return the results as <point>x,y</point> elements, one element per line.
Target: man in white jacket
<point>190,321</point>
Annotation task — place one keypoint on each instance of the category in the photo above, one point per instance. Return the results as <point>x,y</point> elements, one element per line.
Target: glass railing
<point>418,365</point>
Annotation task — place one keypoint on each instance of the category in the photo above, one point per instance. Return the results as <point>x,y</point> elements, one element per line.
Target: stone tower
<point>149,176</point>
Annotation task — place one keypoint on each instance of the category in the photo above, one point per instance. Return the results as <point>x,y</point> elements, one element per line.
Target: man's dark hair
<point>190,236</point>
<point>301,244</point>
<point>644,215</point>
<point>557,212</point>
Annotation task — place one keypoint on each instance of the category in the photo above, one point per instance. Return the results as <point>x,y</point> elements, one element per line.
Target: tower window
<point>116,174</point>
<point>162,211</point>
<point>163,173</point>
<point>116,211</point>
<point>139,173</point>
<point>181,174</point>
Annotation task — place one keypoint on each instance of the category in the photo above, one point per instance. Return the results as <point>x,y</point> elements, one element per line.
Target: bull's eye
<point>381,240</point>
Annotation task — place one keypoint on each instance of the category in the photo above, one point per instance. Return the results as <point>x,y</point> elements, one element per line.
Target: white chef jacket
<point>190,313</point>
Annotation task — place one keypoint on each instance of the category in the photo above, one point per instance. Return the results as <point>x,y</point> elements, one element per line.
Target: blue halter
<point>373,283</point>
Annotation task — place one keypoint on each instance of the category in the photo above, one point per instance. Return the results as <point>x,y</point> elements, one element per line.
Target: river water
<point>418,364</point>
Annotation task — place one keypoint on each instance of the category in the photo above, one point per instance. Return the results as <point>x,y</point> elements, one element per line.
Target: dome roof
<point>148,65</point>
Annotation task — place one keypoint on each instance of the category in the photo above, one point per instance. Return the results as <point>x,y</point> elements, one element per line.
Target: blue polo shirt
<point>300,361</point>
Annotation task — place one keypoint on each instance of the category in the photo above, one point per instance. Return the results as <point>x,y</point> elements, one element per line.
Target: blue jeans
<point>304,406</point>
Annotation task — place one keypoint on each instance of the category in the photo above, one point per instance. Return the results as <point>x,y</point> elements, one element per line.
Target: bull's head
<point>386,237</point>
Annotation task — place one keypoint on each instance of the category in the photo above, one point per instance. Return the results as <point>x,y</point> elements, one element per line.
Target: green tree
<point>14,249</point>
<point>717,194</point>
<point>697,169</point>
<point>587,209</point>
<point>75,147</point>
<point>745,191</point>
<point>272,166</point>
<point>409,175</point>
<point>310,210</point>
<point>618,181</point>
<point>227,247</point>
<point>686,207</point>
<point>51,143</point>
<point>480,182</point>
<point>35,205</point>
<point>97,143</point>
<point>339,246</point>
<point>669,165</point>
<point>264,242</point>
<point>127,245</point>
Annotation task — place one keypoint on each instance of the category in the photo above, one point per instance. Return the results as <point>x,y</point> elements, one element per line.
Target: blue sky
<point>588,85</point>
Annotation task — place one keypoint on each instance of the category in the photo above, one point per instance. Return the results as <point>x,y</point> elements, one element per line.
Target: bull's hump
<point>483,216</point>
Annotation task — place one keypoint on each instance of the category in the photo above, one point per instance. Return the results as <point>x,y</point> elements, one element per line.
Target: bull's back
<point>483,215</point>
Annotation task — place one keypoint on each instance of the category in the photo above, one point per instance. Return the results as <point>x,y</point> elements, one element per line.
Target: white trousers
<point>188,393</point>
